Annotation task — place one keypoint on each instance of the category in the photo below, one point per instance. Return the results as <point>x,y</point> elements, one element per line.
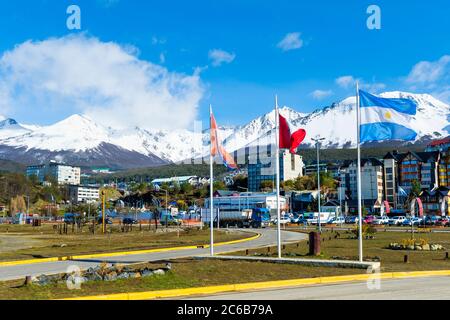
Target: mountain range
<point>80,140</point>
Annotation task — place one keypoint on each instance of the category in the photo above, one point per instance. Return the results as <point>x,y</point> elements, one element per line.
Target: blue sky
<point>331,40</point>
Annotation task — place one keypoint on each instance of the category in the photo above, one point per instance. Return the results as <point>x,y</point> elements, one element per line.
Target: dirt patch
<point>11,243</point>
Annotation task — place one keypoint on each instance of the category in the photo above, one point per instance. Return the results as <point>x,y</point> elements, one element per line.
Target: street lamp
<point>318,141</point>
<point>167,199</point>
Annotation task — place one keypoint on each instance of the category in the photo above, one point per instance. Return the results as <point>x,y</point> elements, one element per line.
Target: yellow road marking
<point>116,254</point>
<point>165,294</point>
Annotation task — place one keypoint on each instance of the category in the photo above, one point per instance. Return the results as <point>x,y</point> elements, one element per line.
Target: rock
<point>159,272</point>
<point>434,247</point>
<point>43,280</point>
<point>93,276</point>
<point>410,247</point>
<point>147,273</point>
<point>123,275</point>
<point>169,266</point>
<point>63,245</point>
<point>110,277</point>
<point>418,248</point>
<point>426,247</point>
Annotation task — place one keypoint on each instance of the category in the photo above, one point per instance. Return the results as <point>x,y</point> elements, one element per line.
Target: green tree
<point>267,185</point>
<point>416,189</point>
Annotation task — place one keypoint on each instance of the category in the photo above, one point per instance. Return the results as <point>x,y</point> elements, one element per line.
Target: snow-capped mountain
<point>10,128</point>
<point>84,141</point>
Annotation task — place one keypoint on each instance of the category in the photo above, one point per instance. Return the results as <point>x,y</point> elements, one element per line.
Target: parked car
<point>337,221</point>
<point>396,221</point>
<point>381,221</point>
<point>107,220</point>
<point>430,220</point>
<point>284,220</point>
<point>296,218</point>
<point>369,219</point>
<point>351,220</point>
<point>129,221</point>
<point>444,222</point>
<point>412,221</point>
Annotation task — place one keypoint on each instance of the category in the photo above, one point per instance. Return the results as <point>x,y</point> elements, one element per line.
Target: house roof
<point>436,143</point>
<point>395,155</point>
<point>174,179</point>
<point>374,161</point>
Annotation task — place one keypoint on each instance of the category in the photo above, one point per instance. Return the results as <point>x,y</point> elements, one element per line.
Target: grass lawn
<point>26,242</point>
<point>186,273</point>
<point>346,248</point>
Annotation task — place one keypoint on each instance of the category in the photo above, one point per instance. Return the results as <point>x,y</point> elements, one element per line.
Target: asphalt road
<point>432,288</point>
<point>268,238</point>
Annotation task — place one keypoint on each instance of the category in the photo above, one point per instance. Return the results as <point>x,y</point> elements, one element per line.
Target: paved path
<point>268,238</point>
<point>432,288</point>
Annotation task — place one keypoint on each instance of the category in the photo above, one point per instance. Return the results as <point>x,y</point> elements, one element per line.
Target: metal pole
<point>358,115</point>
<point>318,185</point>
<point>211,183</point>
<point>103,212</point>
<point>277,174</point>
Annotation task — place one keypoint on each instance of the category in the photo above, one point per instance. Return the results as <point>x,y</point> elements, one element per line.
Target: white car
<point>381,221</point>
<point>396,221</point>
<point>338,220</point>
<point>283,220</point>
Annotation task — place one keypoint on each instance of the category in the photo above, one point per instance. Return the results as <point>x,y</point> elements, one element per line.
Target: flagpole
<point>211,183</point>
<point>277,168</point>
<point>360,222</point>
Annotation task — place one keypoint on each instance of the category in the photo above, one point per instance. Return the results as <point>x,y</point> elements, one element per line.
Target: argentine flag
<point>386,118</point>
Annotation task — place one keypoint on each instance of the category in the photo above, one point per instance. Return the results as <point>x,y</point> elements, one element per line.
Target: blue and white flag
<point>386,118</point>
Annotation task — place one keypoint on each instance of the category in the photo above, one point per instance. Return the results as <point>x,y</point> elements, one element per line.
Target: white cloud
<point>105,81</point>
<point>349,82</point>
<point>219,57</point>
<point>430,72</point>
<point>432,77</point>
<point>291,41</point>
<point>345,81</point>
<point>321,94</point>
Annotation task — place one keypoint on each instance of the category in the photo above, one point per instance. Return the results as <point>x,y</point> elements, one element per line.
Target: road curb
<point>177,293</point>
<point>116,254</point>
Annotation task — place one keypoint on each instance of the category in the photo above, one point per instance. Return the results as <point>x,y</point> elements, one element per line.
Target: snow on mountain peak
<point>335,123</point>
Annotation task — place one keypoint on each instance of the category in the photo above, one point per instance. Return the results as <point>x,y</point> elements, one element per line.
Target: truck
<point>325,217</point>
<point>248,218</point>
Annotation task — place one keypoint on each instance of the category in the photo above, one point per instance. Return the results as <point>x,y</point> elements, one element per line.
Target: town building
<point>439,145</point>
<point>291,167</point>
<point>192,180</point>
<point>237,202</point>
<point>421,167</point>
<point>311,170</point>
<point>391,177</point>
<point>62,173</point>
<point>371,182</point>
<point>84,194</point>
<point>444,169</point>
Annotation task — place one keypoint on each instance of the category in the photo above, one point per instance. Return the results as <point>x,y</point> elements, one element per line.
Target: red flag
<point>287,139</point>
<point>218,149</point>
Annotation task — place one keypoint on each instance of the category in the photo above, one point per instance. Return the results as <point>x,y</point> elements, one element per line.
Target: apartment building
<point>62,173</point>
<point>371,181</point>
<point>84,194</point>
<point>291,167</point>
<point>419,166</point>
